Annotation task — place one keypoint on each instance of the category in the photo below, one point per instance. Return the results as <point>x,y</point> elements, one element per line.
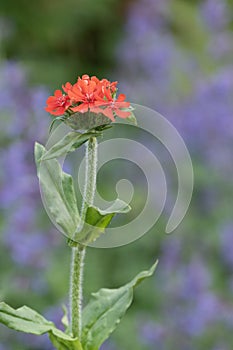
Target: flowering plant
<point>88,95</point>
<point>88,107</point>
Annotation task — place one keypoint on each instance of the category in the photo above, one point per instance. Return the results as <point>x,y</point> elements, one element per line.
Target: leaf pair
<point>100,317</point>
<point>69,143</point>
<point>59,197</point>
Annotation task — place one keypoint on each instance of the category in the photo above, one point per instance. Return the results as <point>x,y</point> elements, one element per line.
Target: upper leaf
<point>105,310</point>
<point>28,320</point>
<point>57,192</point>
<point>97,220</point>
<point>69,143</point>
<point>59,118</point>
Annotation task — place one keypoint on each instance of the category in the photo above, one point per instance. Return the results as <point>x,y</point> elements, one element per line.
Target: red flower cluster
<point>89,94</point>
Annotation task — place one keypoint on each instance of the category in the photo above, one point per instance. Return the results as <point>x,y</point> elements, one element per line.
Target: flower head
<point>89,94</point>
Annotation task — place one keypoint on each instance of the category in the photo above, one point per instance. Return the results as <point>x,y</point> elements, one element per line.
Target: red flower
<point>107,85</point>
<point>114,105</point>
<point>85,91</point>
<point>89,94</point>
<point>67,87</point>
<point>58,104</point>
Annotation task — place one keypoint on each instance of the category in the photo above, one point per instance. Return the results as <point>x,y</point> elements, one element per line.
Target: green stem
<point>78,252</point>
<point>77,264</point>
<point>90,176</point>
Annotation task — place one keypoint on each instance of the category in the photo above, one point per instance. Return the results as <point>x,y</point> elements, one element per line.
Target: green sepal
<point>54,121</point>
<point>69,143</point>
<point>105,310</point>
<point>28,320</point>
<point>86,121</point>
<point>97,220</point>
<point>57,192</point>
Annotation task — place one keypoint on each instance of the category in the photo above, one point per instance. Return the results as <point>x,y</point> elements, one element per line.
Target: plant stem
<point>76,281</point>
<point>78,252</point>
<point>90,176</point>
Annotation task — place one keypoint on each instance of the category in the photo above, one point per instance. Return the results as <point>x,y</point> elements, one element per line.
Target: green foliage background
<point>59,40</point>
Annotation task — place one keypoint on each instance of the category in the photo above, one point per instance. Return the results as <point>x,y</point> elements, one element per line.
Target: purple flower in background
<point>216,14</point>
<point>226,243</point>
<point>32,342</point>
<point>156,68</point>
<point>22,121</point>
<point>188,307</point>
<point>145,14</point>
<point>25,235</point>
<point>2,347</point>
<point>207,117</point>
<point>153,333</point>
<point>221,347</point>
<point>220,46</point>
<point>21,107</point>
<point>197,99</point>
<point>108,345</point>
<point>201,313</point>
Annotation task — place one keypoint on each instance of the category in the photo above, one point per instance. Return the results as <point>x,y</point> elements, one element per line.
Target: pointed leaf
<point>57,192</point>
<point>65,319</point>
<point>97,220</point>
<point>68,143</point>
<point>28,320</point>
<point>105,310</point>
<point>54,121</point>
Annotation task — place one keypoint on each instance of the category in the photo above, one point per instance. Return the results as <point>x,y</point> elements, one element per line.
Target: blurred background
<point>175,57</point>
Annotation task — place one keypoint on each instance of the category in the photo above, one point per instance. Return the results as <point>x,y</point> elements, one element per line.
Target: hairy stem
<point>78,252</point>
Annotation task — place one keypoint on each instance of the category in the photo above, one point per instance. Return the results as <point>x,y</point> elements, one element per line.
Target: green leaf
<point>65,320</point>
<point>105,310</point>
<point>57,192</point>
<point>54,121</point>
<point>68,144</point>
<point>28,320</point>
<point>97,220</point>
<point>65,344</point>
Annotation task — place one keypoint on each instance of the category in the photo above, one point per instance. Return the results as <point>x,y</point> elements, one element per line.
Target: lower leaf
<point>105,310</point>
<point>28,320</point>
